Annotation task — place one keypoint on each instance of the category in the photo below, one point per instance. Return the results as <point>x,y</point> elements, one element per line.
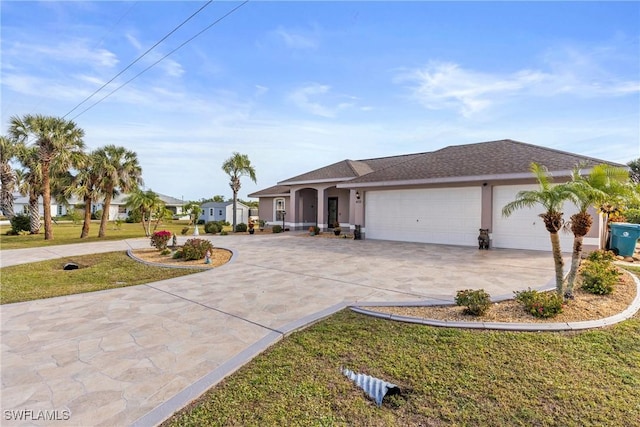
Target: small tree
<point>551,198</point>
<point>236,167</point>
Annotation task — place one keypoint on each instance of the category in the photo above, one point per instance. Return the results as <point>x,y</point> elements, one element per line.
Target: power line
<point>161,59</point>
<point>137,59</point>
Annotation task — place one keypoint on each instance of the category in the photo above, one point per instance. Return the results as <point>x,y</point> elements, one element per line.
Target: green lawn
<point>448,377</point>
<point>67,233</point>
<point>109,270</point>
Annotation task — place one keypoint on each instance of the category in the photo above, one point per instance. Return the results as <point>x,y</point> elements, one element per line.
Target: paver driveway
<point>131,355</point>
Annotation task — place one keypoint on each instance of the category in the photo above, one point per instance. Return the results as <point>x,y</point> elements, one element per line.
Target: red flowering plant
<point>159,239</point>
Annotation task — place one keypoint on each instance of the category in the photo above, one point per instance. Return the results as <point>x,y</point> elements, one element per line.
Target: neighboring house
<point>441,197</point>
<point>117,209</point>
<point>21,205</point>
<point>223,211</point>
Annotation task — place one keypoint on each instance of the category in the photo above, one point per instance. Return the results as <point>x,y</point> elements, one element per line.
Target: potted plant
<point>262,223</point>
<point>336,229</point>
<point>251,225</point>
<point>312,231</point>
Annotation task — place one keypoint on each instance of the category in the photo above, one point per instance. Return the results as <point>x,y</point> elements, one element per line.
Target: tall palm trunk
<point>558,262</point>
<point>34,213</point>
<point>580,226</point>
<point>6,195</point>
<point>87,217</point>
<point>105,212</point>
<point>46,201</point>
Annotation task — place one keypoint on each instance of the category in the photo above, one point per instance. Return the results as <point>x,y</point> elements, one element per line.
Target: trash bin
<point>624,237</point>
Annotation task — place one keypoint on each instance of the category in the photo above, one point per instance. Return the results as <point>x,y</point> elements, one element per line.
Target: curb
<point>504,326</point>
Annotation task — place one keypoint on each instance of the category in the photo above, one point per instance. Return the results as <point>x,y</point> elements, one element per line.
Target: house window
<point>211,212</point>
<point>59,210</point>
<point>220,212</point>
<point>279,209</point>
<point>122,209</point>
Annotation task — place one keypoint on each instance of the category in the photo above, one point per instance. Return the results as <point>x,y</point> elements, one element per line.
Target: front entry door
<point>332,218</point>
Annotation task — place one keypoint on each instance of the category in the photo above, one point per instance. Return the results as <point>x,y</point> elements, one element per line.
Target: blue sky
<point>299,85</point>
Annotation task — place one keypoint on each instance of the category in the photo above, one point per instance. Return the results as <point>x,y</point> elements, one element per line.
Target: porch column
<point>322,215</point>
<point>291,210</point>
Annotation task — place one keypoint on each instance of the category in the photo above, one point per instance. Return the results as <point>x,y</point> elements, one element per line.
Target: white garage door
<point>443,216</point>
<point>524,229</point>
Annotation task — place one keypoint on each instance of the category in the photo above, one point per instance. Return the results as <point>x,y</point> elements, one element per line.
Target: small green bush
<point>601,256</point>
<point>599,277</point>
<point>165,251</point>
<point>276,229</point>
<point>540,304</point>
<point>196,249</point>
<point>184,231</point>
<point>224,233</point>
<point>200,222</point>
<point>633,216</point>
<point>20,222</point>
<point>477,302</point>
<point>212,227</point>
<point>241,228</point>
<point>177,254</point>
<point>97,214</point>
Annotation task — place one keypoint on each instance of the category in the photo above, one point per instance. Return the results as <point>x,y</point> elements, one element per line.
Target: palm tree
<point>57,140</point>
<point>86,186</point>
<point>237,166</point>
<point>603,183</point>
<point>120,172</point>
<point>193,209</point>
<point>8,150</point>
<point>552,198</point>
<point>146,202</point>
<point>29,181</point>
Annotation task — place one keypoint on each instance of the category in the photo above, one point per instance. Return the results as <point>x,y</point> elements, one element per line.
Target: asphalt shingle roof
<point>504,157</point>
<point>493,158</point>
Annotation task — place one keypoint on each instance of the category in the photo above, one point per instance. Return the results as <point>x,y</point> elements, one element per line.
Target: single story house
<point>117,209</point>
<point>223,211</point>
<point>442,197</point>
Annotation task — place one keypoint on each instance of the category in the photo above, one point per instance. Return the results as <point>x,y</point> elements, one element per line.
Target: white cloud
<point>295,40</point>
<point>317,99</point>
<point>134,41</point>
<point>442,85</point>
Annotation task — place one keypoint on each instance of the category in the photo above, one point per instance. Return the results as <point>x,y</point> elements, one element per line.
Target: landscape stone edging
<point>506,326</point>
<point>187,267</point>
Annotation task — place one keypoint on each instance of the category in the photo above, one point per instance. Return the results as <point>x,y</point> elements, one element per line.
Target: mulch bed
<point>585,306</point>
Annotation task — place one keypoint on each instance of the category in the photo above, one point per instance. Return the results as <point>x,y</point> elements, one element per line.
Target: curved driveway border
<point>502,326</point>
<point>136,355</point>
<point>131,255</point>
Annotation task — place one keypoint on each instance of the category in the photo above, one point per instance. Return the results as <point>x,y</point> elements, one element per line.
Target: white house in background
<point>117,209</point>
<point>223,211</point>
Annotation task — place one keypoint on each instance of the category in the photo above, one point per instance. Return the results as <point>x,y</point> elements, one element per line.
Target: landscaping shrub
<point>177,254</point>
<point>133,217</point>
<point>241,228</point>
<point>196,249</point>
<point>540,304</point>
<point>160,239</point>
<point>97,214</point>
<point>633,215</point>
<point>20,222</point>
<point>276,229</point>
<point>476,302</point>
<point>224,233</point>
<point>166,251</point>
<point>212,227</point>
<point>200,222</point>
<point>599,275</point>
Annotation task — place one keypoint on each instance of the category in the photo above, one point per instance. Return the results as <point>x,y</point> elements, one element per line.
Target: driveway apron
<point>113,357</point>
